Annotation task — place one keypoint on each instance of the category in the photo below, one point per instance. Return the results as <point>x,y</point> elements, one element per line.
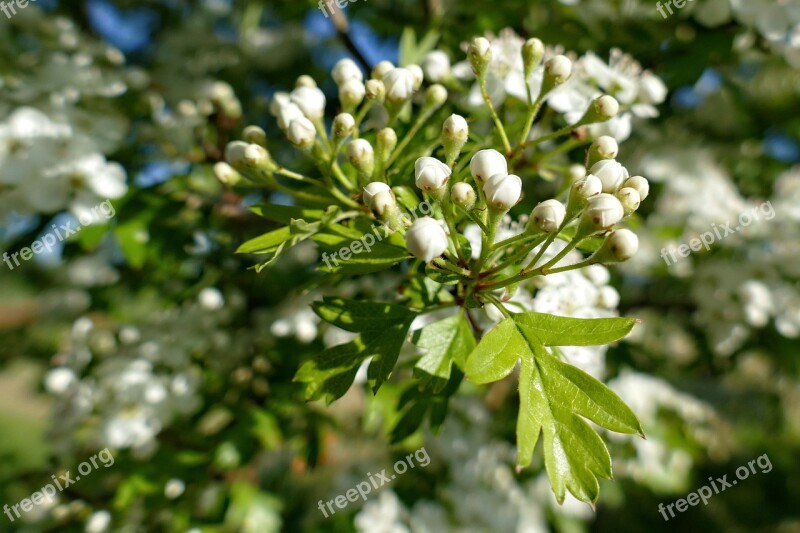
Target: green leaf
<point>444,342</point>
<point>267,243</point>
<point>552,330</point>
<point>557,398</point>
<point>383,329</point>
<point>133,239</point>
<point>497,354</point>
<point>283,214</point>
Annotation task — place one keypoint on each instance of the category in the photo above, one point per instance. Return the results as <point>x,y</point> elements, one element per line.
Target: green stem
<point>496,301</point>
<point>516,256</point>
<point>497,122</point>
<point>423,117</point>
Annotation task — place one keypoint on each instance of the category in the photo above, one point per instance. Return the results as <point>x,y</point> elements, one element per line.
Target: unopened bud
<point>620,246</point>
<point>629,198</point>
<point>305,81</point>
<point>602,109</point>
<point>255,135</point>
<point>480,55</point>
<point>436,66</point>
<point>417,74</point>
<point>386,143</point>
<point>375,90</point>
<point>580,193</point>
<point>548,216</point>
<point>602,213</point>
<point>226,174</point>
<point>463,195</point>
<point>435,96</point>
<point>604,147</point>
<point>301,133</point>
<point>362,157</point>
<point>380,70</point>
<point>532,53</point>
<point>455,132</point>
<point>557,71</point>
<point>351,94</point>
<point>641,185</point>
<point>343,126</point>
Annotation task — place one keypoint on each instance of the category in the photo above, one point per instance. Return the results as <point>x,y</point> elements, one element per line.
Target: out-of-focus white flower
<point>436,66</point>
<point>98,522</point>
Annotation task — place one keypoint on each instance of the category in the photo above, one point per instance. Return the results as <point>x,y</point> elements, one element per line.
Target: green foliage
<point>382,330</point>
<point>555,395</point>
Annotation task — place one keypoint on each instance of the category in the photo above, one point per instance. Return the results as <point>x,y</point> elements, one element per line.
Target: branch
<point>342,26</point>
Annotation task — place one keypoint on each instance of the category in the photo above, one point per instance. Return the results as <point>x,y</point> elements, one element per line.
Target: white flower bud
<point>372,190</point>
<point>255,135</point>
<point>431,174</point>
<point>435,96</point>
<point>455,133</point>
<point>532,53</point>
<point>351,93</point>
<point>503,191</point>
<point>305,81</point>
<point>387,141</point>
<point>606,107</point>
<point>641,185</point>
<point>399,84</point>
<point>346,70</point>
<point>557,70</point>
<point>279,100</point>
<point>629,198</point>
<point>576,172</point>
<point>611,173</point>
<point>375,90</point>
<point>255,155</point>
<point>455,129</point>
<point>588,187</point>
<point>311,101</point>
<point>226,174</point>
<point>380,70</point>
<point>480,55</point>
<point>651,89</point>
<point>549,215</point>
<point>603,212</point>
<point>343,126</point>
<point>287,113</point>
<point>416,73</point>
<point>463,194</point>
<point>301,133</point>
<point>605,147</point>
<point>487,163</point>
<point>60,380</point>
<point>361,156</point>
<point>426,239</point>
<point>234,153</point>
<point>436,66</point>
<point>621,245</point>
<point>384,203</point>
